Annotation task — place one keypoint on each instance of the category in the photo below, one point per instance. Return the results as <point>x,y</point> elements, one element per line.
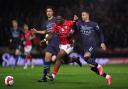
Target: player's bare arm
<point>38,32</point>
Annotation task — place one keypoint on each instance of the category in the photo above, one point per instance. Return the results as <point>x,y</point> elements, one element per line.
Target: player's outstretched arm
<point>38,32</point>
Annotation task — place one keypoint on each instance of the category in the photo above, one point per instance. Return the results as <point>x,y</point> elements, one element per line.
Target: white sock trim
<point>107,76</point>
<point>53,75</point>
<point>98,66</point>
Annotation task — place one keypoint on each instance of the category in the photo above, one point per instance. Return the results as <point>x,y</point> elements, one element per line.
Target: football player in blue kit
<point>52,46</point>
<point>89,33</point>
<point>16,34</point>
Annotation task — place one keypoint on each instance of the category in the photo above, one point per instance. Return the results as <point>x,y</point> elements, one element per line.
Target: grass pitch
<point>69,77</point>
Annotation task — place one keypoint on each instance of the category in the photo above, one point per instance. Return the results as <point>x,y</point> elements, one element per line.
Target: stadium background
<point>112,16</point>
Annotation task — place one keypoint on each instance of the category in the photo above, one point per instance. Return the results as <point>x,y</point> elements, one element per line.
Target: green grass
<point>69,77</point>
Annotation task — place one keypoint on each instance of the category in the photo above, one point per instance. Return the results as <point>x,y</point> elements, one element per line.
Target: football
<point>9,80</point>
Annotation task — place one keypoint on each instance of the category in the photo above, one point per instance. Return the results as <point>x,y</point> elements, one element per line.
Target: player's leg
<point>51,50</point>
<point>26,61</point>
<point>64,50</point>
<point>92,63</point>
<point>61,54</point>
<point>105,75</point>
<point>27,58</point>
<point>97,68</point>
<point>74,57</point>
<point>16,56</point>
<point>31,60</point>
<point>47,62</point>
<point>30,56</point>
<point>88,52</point>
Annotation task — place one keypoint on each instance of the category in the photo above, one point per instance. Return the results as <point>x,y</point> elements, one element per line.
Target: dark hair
<point>50,7</point>
<point>59,14</point>
<point>85,10</point>
<point>14,20</point>
<point>25,24</point>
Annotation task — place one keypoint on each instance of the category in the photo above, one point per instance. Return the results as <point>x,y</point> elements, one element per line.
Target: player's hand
<point>103,46</point>
<point>34,30</point>
<point>43,42</point>
<point>75,18</point>
<point>49,37</point>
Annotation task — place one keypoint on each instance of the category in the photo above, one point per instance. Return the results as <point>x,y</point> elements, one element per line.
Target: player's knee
<point>87,54</point>
<point>87,58</point>
<point>48,57</point>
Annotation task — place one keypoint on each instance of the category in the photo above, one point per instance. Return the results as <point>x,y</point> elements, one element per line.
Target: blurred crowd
<point>110,14</point>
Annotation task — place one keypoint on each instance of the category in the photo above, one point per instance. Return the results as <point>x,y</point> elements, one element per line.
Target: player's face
<point>49,12</point>
<point>14,23</point>
<point>25,28</point>
<point>85,16</point>
<point>59,20</point>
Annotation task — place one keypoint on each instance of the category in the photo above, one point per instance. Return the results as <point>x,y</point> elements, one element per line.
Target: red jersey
<point>27,36</point>
<point>63,31</point>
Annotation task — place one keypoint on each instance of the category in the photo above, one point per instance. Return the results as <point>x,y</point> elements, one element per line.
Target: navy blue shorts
<point>53,46</point>
<point>16,46</point>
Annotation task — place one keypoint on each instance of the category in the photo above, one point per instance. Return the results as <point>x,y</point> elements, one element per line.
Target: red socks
<point>55,70</point>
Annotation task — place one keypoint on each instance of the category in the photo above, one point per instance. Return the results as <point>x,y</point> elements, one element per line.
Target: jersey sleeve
<point>100,33</point>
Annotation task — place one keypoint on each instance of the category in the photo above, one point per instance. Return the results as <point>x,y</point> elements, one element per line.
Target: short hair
<point>50,7</point>
<point>85,11</point>
<point>25,24</point>
<point>14,20</point>
<point>60,14</point>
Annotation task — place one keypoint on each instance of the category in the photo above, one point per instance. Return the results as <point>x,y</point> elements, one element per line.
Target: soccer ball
<point>9,80</point>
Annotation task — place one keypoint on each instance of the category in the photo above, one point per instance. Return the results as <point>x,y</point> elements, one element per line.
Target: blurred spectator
<point>111,15</point>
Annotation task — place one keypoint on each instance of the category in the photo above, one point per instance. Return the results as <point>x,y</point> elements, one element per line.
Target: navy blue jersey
<point>48,24</point>
<point>89,32</point>
<point>16,35</point>
<point>53,44</point>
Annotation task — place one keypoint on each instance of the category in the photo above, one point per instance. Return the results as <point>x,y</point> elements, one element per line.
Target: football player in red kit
<point>64,29</point>
<point>28,36</point>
